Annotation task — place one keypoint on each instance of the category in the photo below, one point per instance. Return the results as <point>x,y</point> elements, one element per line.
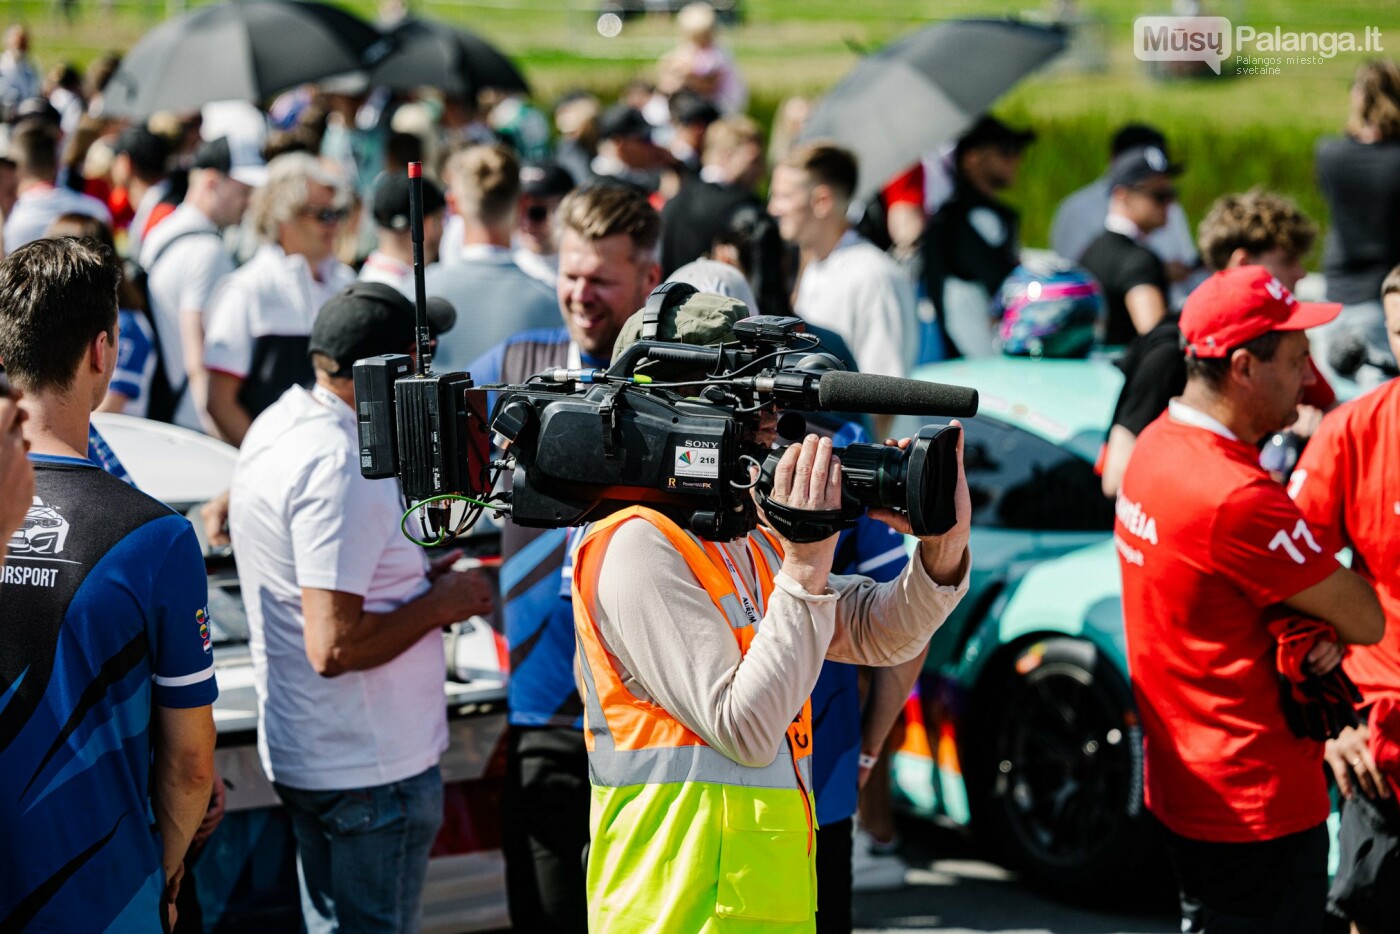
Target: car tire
<point>1059,768</point>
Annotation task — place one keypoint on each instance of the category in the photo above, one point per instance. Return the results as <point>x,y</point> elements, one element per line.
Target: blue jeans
<point>362,854</point>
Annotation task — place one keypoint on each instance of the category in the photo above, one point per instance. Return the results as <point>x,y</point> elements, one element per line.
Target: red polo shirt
<point>1349,488</point>
<point>1206,541</point>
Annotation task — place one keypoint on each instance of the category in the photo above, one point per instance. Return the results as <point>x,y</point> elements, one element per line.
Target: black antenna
<point>420,298</point>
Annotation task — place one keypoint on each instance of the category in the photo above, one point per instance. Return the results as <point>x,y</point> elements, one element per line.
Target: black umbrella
<point>925,89</point>
<point>243,50</point>
<point>455,60</point>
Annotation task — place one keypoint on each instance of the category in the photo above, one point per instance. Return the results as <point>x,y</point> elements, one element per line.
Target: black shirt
<point>1154,370</point>
<point>1361,183</point>
<point>692,220</point>
<point>1121,264</point>
<point>954,245</point>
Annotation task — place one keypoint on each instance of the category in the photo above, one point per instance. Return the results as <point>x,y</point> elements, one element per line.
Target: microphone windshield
<point>890,395</point>
<point>1346,354</point>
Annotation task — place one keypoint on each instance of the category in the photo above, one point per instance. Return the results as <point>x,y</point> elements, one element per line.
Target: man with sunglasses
<point>259,322</point>
<point>1134,280</point>
<point>535,240</point>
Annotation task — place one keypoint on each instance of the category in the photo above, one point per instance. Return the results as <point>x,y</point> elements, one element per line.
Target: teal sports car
<point>1023,724</point>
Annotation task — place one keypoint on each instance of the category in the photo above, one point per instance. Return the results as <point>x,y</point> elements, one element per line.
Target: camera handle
<point>803,526</point>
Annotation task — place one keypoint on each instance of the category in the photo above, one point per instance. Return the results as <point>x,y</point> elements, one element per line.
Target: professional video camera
<point>583,443</point>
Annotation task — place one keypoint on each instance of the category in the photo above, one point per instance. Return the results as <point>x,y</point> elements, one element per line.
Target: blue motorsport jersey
<point>539,625</point>
<point>103,616</point>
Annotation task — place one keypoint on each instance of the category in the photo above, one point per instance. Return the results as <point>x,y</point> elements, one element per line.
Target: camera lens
<point>919,481</point>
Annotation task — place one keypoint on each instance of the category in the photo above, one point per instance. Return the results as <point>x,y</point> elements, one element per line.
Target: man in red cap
<point>1210,547</point>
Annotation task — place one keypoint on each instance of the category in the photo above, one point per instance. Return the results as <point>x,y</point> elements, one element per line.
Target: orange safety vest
<point>683,838</point>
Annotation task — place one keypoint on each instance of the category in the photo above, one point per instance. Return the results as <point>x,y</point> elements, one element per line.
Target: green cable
<point>442,536</point>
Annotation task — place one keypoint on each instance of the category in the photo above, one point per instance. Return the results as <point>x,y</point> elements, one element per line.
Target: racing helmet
<point>1049,308</point>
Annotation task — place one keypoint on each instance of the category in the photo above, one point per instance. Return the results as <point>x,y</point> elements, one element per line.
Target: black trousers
<point>834,877</point>
<point>545,832</point>
<point>1270,887</point>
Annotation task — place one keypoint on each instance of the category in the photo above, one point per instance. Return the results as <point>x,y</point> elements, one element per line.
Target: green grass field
<point>1233,132</point>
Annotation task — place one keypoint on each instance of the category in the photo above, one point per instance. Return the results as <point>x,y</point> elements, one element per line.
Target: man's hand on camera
<point>944,556</point>
<point>808,477</point>
<point>461,594</point>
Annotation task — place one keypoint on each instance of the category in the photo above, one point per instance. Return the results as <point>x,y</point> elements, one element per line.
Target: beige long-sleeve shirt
<point>674,648</point>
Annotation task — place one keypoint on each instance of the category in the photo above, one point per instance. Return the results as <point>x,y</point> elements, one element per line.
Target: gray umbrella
<point>243,50</point>
<point>925,89</point>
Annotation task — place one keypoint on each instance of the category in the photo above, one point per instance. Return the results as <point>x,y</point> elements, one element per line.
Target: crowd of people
<point>698,730</point>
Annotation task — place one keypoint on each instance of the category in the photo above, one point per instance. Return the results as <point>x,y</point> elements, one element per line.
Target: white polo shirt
<point>861,294</point>
<point>273,295</point>
<point>302,516</point>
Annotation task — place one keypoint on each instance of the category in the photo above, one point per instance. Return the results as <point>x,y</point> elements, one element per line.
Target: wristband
<point>868,761</point>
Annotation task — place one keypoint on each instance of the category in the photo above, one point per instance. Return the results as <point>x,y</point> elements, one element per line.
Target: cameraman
<point>697,662</point>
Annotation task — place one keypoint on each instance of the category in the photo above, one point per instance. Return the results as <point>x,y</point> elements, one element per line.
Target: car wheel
<point>1061,767</point>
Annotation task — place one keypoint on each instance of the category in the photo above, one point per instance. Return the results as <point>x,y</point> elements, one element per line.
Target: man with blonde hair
<point>607,268</point>
<point>259,319</point>
<point>495,296</point>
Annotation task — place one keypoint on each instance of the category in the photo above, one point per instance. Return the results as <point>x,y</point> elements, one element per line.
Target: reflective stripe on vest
<point>618,768</point>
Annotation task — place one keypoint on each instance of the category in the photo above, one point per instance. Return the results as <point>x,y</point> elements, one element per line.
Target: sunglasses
<point>537,213</point>
<point>1160,195</point>
<point>326,215</point>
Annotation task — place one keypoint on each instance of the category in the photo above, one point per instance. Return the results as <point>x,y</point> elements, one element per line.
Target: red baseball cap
<point>1235,306</point>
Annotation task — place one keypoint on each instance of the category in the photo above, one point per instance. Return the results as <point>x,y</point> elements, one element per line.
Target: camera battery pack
<point>374,407</point>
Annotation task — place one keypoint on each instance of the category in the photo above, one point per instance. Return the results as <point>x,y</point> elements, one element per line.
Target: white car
<point>246,875</point>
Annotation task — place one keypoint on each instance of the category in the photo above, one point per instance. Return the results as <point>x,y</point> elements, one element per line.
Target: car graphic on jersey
<point>43,532</point>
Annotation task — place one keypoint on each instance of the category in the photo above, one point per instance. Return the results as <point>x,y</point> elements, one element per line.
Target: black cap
<point>238,158</point>
<point>365,319</point>
<point>989,131</point>
<point>688,108</point>
<point>623,121</point>
<point>391,200</point>
<point>545,180</point>
<point>1134,136</point>
<point>1136,166</point>
<point>148,151</point>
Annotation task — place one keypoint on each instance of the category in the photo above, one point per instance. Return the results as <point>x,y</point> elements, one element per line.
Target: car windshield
<point>1019,480</point>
